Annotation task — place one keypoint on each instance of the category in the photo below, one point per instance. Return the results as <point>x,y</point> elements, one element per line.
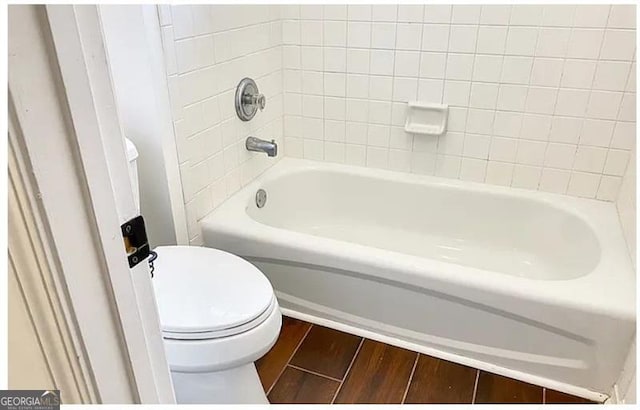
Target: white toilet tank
<point>132,157</point>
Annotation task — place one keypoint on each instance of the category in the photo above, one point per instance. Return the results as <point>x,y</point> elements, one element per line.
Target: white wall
<point>132,40</point>
<point>625,389</point>
<point>541,97</point>
<point>626,205</point>
<point>208,50</point>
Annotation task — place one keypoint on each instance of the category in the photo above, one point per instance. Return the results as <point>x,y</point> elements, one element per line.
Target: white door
<point>61,93</point>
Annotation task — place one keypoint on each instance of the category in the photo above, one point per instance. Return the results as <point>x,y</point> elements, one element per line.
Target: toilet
<point>218,314</point>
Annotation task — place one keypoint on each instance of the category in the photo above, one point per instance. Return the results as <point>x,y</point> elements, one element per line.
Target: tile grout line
<point>348,370</point>
<point>413,371</point>
<point>289,360</point>
<point>314,373</point>
<point>475,387</point>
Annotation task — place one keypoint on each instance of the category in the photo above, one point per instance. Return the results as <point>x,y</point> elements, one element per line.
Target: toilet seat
<point>208,355</point>
<point>215,334</point>
<point>205,293</point>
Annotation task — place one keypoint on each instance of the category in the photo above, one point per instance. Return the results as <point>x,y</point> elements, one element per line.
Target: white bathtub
<point>529,285</point>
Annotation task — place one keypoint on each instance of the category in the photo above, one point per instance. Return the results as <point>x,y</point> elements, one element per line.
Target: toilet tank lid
<point>132,152</point>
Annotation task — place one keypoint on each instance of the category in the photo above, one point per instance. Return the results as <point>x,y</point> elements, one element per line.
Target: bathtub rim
<point>603,293</point>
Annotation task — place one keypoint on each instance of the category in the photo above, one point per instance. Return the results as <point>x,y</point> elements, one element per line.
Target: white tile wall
<point>541,96</point>
<point>208,50</point>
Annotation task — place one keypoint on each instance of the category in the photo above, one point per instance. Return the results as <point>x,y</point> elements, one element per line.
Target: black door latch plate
<point>135,240</point>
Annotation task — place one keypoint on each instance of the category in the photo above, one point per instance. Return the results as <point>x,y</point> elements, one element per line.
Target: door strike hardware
<point>136,243</point>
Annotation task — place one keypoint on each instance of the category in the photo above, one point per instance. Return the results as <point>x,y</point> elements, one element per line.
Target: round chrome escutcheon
<point>248,99</point>
<point>261,198</point>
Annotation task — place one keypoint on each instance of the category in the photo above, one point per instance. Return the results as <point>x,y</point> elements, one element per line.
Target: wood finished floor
<point>314,364</point>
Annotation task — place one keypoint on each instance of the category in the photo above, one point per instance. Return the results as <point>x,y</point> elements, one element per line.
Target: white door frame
<point>45,347</point>
<point>61,95</point>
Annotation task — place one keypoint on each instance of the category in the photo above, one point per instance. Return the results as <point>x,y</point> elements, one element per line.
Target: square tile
<point>503,149</point>
<point>483,95</point>
<point>459,66</point>
<point>609,188</point>
<point>476,146</point>
<point>555,15</point>
<point>491,39</point>
<point>578,73</point>
<point>432,65</point>
<point>383,35</point>
<point>358,34</point>
<point>616,163</point>
<point>384,12</point>
<point>516,70</point>
<point>590,159</point>
<point>495,14</point>
<point>521,41</point>
<point>560,155</point>
<point>585,43</point>
<point>618,45</point>
<point>437,13</point>
<point>553,42</point>
<point>410,13</point>
<point>499,173</point>
<point>583,184</point>
<point>382,62</point>
<point>611,75</point>
<point>435,37</point>
<point>473,169</point>
<point>487,68</point>
<point>546,72</point>
<point>335,33</point>
<point>591,15</point>
<point>408,36</point>
<point>456,92</point>
<point>604,104</point>
<point>407,63</point>
<point>554,180</point>
<point>465,14</point>
<point>462,39</point>
<point>622,16</point>
<point>447,166</point>
<point>526,15</point>
<point>596,132</point>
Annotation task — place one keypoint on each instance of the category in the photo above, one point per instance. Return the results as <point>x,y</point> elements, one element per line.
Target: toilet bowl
<point>218,315</point>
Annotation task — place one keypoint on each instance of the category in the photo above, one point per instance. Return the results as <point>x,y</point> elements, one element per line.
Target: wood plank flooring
<point>380,374</point>
<point>313,364</point>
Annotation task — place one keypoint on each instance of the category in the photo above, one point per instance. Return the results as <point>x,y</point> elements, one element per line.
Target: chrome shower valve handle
<point>248,99</point>
<point>259,100</point>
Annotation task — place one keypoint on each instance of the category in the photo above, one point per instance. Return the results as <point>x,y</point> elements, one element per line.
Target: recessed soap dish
<point>426,118</point>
